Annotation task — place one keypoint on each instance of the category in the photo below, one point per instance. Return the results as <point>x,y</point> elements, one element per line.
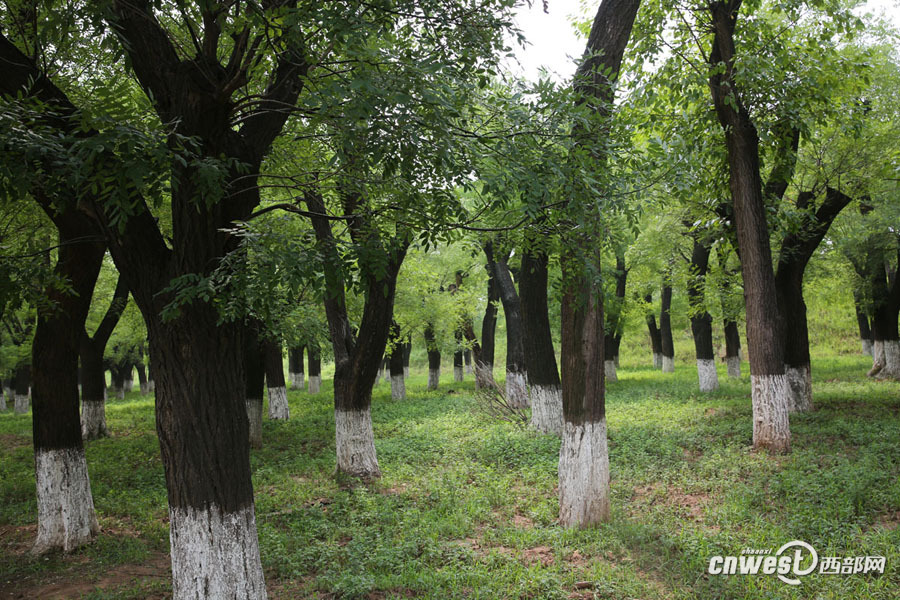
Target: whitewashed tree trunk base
<point>734,366</point>
<point>278,403</point>
<point>867,347</point>
<point>66,517</point>
<point>468,369</point>
<point>93,419</point>
<point>315,384</point>
<point>707,375</point>
<point>145,389</point>
<point>406,372</point>
<point>800,384</point>
<point>215,554</point>
<point>657,360</point>
<point>546,409</point>
<point>771,402</point>
<point>151,386</point>
<point>616,360</point>
<point>129,385</point>
<point>891,368</point>
<point>434,378</point>
<point>398,387</point>
<point>355,442</point>
<point>457,373</point>
<point>120,393</point>
<point>2,403</point>
<point>254,415</point>
<point>609,370</point>
<point>516,389</point>
<point>21,404</point>
<point>583,475</point>
<point>668,364</point>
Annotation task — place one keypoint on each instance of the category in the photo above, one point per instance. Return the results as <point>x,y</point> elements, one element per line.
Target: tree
<point>278,403</point>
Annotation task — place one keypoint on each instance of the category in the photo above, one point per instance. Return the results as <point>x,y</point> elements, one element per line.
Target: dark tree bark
<point>66,517</point>
<point>764,326</point>
<point>315,367</point>
<point>275,386</point>
<point>655,334</point>
<point>22,384</point>
<point>434,358</point>
<point>797,248</point>
<point>665,329</point>
<point>458,356</point>
<point>584,456</point>
<point>295,368</point>
<point>862,322</point>
<point>540,356</point>
<point>254,381</point>
<point>732,347</point>
<point>884,286</point>
<point>701,320</point>
<point>93,380</point>
<point>143,382</point>
<point>357,358</point>
<point>395,362</point>
<point>484,360</point>
<point>516,388</point>
<point>407,352</point>
<point>613,326</point>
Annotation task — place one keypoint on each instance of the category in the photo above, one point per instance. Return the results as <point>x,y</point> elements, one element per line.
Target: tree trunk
<point>484,364</point>
<point>770,390</point>
<point>667,346</point>
<point>516,389</point>
<point>732,348</point>
<point>701,320</point>
<point>295,368</point>
<point>278,402</point>
<point>314,360</point>
<point>117,380</point>
<point>467,358</point>
<point>407,351</point>
<point>254,381</point>
<point>66,517</point>
<point>584,456</point>
<point>434,358</point>
<point>458,357</point>
<point>398,384</point>
<point>655,334</point>
<point>862,321</point>
<point>22,385</point>
<point>885,288</point>
<point>540,356</point>
<point>143,383</point>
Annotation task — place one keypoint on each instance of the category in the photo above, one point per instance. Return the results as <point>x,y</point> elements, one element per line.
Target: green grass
<point>466,506</point>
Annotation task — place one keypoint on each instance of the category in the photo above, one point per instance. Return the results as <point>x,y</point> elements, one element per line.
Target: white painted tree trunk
<point>616,360</point>
<point>469,369</point>
<point>66,517</point>
<point>867,347</point>
<point>891,369</point>
<point>2,402</point>
<point>254,414</point>
<point>398,387</point>
<point>516,389</point>
<point>215,554</point>
<point>707,375</point>
<point>93,419</point>
<point>583,475</point>
<point>657,360</point>
<point>145,388</point>
<point>609,370</point>
<point>278,403</point>
<point>406,372</point>
<point>457,373</point>
<point>355,443</point>
<point>434,378</point>
<point>668,364</point>
<point>151,386</point>
<point>21,404</point>
<point>734,366</point>
<point>120,393</point>
<point>800,384</point>
<point>546,409</point>
<point>771,402</point>
<point>877,358</point>
<point>129,385</point>
<point>315,384</point>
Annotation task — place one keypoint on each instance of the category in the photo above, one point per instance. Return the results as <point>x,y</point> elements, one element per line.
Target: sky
<point>554,42</point>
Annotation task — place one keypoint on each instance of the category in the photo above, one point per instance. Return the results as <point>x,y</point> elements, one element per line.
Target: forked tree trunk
<point>667,346</point>
<point>398,384</point>
<point>22,385</point>
<point>770,390</point>
<point>732,348</point>
<point>540,356</point>
<point>655,335</point>
<point>434,358</point>
<point>314,362</point>
<point>701,320</point>
<point>516,383</point>
<point>296,376</point>
<point>278,402</point>
<point>254,381</point>
<point>66,517</point>
<point>584,455</point>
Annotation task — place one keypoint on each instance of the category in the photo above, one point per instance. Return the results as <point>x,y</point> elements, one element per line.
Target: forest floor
<point>467,506</point>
